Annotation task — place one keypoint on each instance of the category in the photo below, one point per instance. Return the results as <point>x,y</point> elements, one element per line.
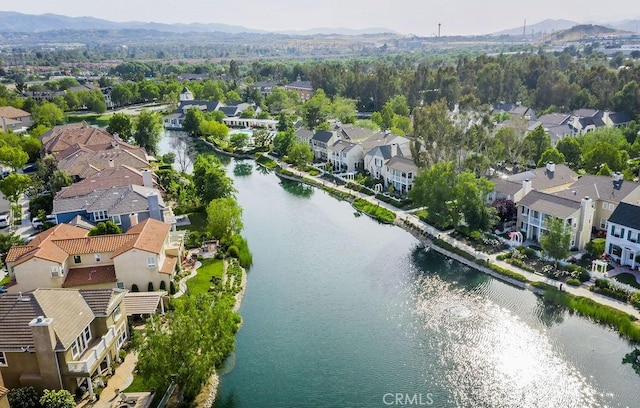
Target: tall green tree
<point>57,399</point>
<point>570,149</point>
<point>14,185</point>
<point>120,123</point>
<point>283,141</point>
<point>210,179</point>
<point>13,157</point>
<point>105,228</point>
<point>316,110</point>
<point>471,200</point>
<point>536,143</point>
<point>551,155</point>
<point>605,153</point>
<point>300,154</point>
<point>192,120</point>
<point>48,114</point>
<point>224,218</point>
<point>147,130</point>
<point>435,134</point>
<point>6,242</point>
<point>556,240</point>
<point>198,335</point>
<point>434,189</point>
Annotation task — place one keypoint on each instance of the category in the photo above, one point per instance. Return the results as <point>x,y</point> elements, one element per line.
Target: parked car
<point>39,223</point>
<point>5,173</point>
<point>5,219</point>
<point>30,168</point>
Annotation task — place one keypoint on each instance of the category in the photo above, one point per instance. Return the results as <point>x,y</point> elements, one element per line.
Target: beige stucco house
<point>65,257</point>
<point>60,338</point>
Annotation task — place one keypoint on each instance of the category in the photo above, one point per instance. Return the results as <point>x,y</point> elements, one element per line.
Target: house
<point>303,88</point>
<point>124,205</point>
<point>60,338</point>
<point>66,257</point>
<point>344,156</point>
<point>80,161</point>
<point>623,235</point>
<point>60,139</point>
<point>537,206</point>
<point>264,87</point>
<point>174,121</point>
<point>304,135</point>
<point>514,109</point>
<point>320,143</point>
<point>14,119</point>
<point>550,178</point>
<point>401,172</point>
<point>108,178</point>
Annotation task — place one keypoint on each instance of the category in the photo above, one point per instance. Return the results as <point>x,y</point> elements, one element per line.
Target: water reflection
<point>297,189</point>
<point>242,169</point>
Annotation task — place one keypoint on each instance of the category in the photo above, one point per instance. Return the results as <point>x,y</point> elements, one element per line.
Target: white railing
<point>535,221</point>
<point>94,355</point>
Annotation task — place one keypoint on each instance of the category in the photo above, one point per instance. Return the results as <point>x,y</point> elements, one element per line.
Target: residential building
<point>60,338</point>
<point>119,204</point>
<point>303,88</point>
<point>14,119</point>
<point>550,178</point>
<point>109,178</point>
<point>320,143</point>
<point>514,109</point>
<point>623,235</point>
<point>58,140</point>
<point>344,156</point>
<point>536,207</point>
<point>304,135</point>
<point>66,257</point>
<point>401,172</point>
<point>80,161</point>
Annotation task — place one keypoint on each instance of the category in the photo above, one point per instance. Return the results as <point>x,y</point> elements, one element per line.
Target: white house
<point>623,235</point>
<point>344,156</point>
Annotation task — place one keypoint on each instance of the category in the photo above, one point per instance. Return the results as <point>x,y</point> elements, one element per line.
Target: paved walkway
<point>430,230</point>
<point>121,379</point>
<point>182,285</point>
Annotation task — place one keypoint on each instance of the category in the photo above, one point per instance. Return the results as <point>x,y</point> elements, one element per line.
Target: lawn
<point>202,281</point>
<point>5,280</point>
<point>627,278</point>
<point>93,119</point>
<point>138,385</point>
<point>198,222</point>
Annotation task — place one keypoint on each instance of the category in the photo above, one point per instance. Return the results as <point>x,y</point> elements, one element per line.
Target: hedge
<point>502,271</point>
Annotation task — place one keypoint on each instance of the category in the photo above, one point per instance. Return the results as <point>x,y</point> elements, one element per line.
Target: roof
<point>79,221</point>
<point>506,187</point>
<point>598,188</point>
<point>169,265</point>
<point>322,136</point>
<point>300,85</point>
<point>142,302</point>
<point>208,106</point>
<point>627,215</point>
<point>104,179</point>
<point>103,301</point>
<point>70,309</point>
<point>541,179</point>
<point>354,133</point>
<point>554,119</point>
<point>60,138</point>
<point>84,162</point>
<point>403,164</point>
<point>95,244</point>
<point>620,118</point>
<point>92,275</point>
<point>512,109</point>
<point>383,138</point>
<point>586,113</point>
<point>116,201</point>
<point>550,204</point>
<point>43,247</point>
<point>12,113</point>
<point>303,133</point>
<point>150,237</point>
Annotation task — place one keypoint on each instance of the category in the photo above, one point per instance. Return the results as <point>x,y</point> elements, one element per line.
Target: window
<point>151,262</point>
<point>80,344</point>
<point>605,206</point>
<point>120,285</point>
<point>117,313</point>
<point>122,336</point>
<point>100,215</point>
<point>56,272</point>
<point>98,258</point>
<point>603,223</point>
<point>3,359</point>
<point>116,219</point>
<point>87,333</point>
<point>77,259</point>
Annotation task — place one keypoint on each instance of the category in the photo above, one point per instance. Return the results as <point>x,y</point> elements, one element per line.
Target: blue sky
<point>419,17</point>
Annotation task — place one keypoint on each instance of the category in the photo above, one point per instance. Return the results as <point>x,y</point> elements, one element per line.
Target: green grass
<point>91,118</point>
<point>5,280</point>
<point>266,162</point>
<point>627,278</point>
<point>373,210</point>
<point>138,385</point>
<point>198,222</point>
<point>202,281</point>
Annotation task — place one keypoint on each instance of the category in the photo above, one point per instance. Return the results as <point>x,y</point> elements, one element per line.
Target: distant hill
<point>626,25</point>
<point>19,22</point>
<point>583,31</point>
<point>546,26</point>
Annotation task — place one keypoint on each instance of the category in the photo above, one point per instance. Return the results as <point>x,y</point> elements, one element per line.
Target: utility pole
<point>439,29</point>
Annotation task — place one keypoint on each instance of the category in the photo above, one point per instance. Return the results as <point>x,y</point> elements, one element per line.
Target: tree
<point>48,114</point>
<point>120,124</point>
<point>105,228</point>
<point>14,185</point>
<point>557,238</point>
<point>551,155</point>
<point>13,157</point>
<point>344,109</point>
<point>283,140</point>
<point>147,130</point>
<point>570,149</point>
<point>434,189</point>
<point>471,199</point>
<point>210,179</point>
<point>25,397</point>
<point>261,137</point>
<point>300,154</point>
<point>169,158</point>
<point>59,179</point>
<point>536,143</point>
<point>239,140</point>
<point>6,242</point>
<point>506,209</point>
<point>435,134</point>
<point>605,153</point>
<point>316,109</point>
<point>57,399</point>
<point>201,334</point>
<point>217,131</point>
<point>224,218</point>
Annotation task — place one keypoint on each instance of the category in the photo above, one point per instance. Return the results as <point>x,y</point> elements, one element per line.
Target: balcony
<point>93,356</point>
<point>535,221</point>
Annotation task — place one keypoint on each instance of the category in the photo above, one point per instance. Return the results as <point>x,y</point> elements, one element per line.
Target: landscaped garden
<point>211,270</point>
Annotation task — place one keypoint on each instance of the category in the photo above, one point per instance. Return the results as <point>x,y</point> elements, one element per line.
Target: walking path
<point>431,231</point>
<point>182,285</point>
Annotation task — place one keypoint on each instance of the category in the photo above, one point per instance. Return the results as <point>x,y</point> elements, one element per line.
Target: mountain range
<point>19,22</point>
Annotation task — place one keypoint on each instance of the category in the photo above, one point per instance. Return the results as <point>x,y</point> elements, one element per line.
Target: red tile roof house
<point>65,257</point>
<point>60,338</point>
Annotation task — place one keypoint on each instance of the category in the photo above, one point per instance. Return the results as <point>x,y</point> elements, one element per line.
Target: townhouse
<point>623,235</point>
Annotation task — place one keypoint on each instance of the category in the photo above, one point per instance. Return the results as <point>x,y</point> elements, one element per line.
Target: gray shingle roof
<point>550,204</point>
<point>117,200</point>
<point>403,164</point>
<point>322,136</point>
<point>541,179</point>
<point>626,214</point>
<point>598,187</point>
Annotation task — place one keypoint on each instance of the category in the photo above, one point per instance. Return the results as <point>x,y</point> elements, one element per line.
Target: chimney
<point>133,219</point>
<point>154,207</point>
<point>586,222</point>
<point>526,187</point>
<point>618,178</point>
<point>45,341</point>
<point>111,163</point>
<point>147,178</point>
<point>394,149</point>
<point>551,167</point>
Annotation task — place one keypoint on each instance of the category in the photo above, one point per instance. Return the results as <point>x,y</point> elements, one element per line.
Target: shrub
<point>233,251</point>
<point>25,397</point>
<point>172,288</point>
<point>374,210</point>
<point>163,285</point>
<point>455,250</point>
<point>150,287</point>
<point>573,282</point>
<point>134,288</point>
<point>57,399</point>
<point>604,287</point>
<point>635,300</point>
<point>595,247</point>
<point>503,271</point>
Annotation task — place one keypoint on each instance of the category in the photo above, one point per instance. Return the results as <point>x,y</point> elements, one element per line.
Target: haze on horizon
<point>420,17</point>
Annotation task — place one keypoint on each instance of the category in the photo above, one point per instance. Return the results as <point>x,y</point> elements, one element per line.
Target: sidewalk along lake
<point>341,311</point>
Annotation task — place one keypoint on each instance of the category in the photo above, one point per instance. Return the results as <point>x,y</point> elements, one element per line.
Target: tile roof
<point>151,236</point>
<point>61,138</point>
<point>42,245</point>
<point>136,303</point>
<point>117,200</point>
<point>16,311</point>
<point>96,244</point>
<point>169,265</point>
<point>550,204</point>
<point>10,112</point>
<point>626,214</point>
<point>103,301</point>
<point>91,275</point>
<point>85,162</point>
